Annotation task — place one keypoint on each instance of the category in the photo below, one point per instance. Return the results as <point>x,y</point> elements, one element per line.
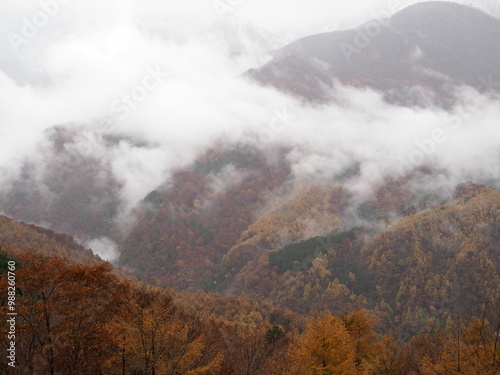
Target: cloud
<point>91,55</point>
<point>106,248</point>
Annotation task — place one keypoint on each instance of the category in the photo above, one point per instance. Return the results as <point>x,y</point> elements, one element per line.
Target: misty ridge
<point>235,187</point>
<point>99,122</point>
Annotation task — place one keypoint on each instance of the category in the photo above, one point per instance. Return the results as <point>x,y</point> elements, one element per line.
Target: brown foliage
<point>67,316</point>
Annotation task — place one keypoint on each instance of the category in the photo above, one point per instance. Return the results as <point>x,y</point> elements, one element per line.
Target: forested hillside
<point>232,224</point>
<point>185,228</point>
<point>165,209</point>
<point>18,238</point>
<point>143,330</point>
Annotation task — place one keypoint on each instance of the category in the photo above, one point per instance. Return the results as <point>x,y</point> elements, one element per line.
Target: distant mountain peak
<point>423,52</point>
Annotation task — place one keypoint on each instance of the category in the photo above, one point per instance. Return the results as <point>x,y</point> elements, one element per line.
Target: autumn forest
<point>419,297</point>
<point>258,187</point>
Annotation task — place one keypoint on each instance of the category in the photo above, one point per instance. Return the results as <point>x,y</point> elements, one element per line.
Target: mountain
<point>439,261</point>
<point>433,271</point>
<point>414,274</point>
<point>450,259</point>
<point>311,256</point>
<point>419,56</point>
<point>69,186</point>
<point>235,223</point>
<point>185,227</point>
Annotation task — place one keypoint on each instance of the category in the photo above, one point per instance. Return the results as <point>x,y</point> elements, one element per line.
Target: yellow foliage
<point>326,348</point>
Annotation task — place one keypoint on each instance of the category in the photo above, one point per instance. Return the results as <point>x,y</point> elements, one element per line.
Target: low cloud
<point>91,55</point>
<point>106,248</point>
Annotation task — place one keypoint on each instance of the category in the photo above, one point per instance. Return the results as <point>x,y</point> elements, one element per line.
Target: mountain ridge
<point>431,48</point>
